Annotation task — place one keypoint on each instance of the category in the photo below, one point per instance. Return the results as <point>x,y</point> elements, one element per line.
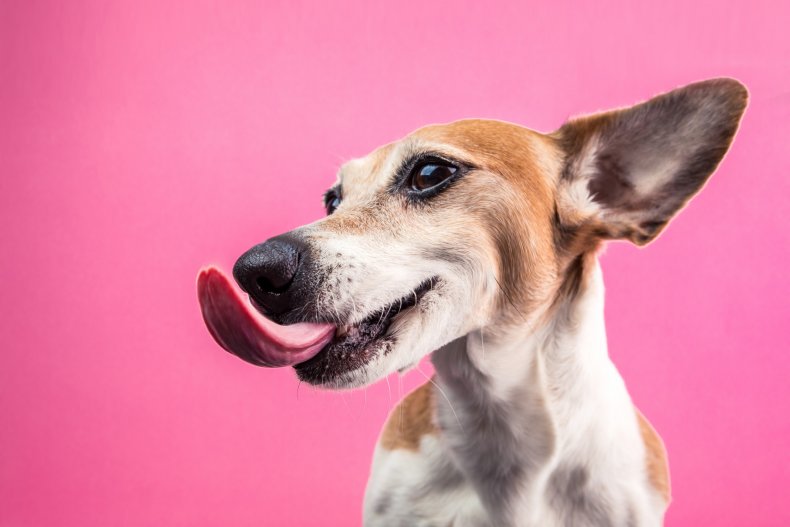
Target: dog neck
<point>520,404</point>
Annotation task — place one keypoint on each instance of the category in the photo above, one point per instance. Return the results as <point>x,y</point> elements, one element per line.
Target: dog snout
<point>268,273</point>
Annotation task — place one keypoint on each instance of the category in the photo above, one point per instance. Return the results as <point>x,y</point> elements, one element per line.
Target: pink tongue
<point>244,332</point>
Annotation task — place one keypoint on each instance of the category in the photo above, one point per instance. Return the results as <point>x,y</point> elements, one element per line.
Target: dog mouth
<point>354,346</point>
<point>319,351</point>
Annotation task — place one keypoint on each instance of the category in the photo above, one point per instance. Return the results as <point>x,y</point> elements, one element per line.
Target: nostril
<point>267,285</point>
<point>267,272</point>
<point>278,276</point>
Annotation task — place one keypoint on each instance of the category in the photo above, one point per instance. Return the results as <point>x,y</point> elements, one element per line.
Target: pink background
<point>139,141</point>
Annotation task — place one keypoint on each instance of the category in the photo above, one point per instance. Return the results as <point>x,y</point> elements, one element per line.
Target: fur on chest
<point>419,478</point>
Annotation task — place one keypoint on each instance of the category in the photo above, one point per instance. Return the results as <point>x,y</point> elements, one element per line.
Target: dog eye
<point>331,201</point>
<point>428,175</point>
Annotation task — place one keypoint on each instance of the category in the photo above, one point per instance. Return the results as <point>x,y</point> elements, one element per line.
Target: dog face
<point>420,240</point>
<point>478,224</point>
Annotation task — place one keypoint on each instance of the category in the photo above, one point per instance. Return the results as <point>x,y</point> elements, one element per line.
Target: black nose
<point>267,273</point>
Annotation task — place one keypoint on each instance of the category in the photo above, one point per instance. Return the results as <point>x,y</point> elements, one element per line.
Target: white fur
<point>402,470</point>
<point>566,365</point>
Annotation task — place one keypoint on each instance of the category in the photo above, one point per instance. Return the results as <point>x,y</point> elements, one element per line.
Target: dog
<point>476,241</point>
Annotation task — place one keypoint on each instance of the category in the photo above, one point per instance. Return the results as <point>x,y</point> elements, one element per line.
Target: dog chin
<point>348,381</point>
<point>332,370</point>
<point>335,369</point>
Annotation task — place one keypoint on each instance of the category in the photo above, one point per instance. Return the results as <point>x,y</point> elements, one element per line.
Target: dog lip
<point>345,353</point>
<point>390,311</point>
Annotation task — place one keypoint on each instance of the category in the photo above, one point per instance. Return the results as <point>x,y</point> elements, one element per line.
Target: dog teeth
<point>341,331</point>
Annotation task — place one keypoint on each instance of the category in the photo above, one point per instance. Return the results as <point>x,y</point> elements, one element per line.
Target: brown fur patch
<point>519,217</point>
<point>410,420</point>
<point>657,465</point>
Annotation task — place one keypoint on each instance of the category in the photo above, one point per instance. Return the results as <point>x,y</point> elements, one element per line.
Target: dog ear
<point>631,170</point>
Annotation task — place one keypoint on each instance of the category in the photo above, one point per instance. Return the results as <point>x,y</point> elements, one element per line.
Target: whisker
<point>400,405</point>
<point>526,320</point>
<point>457,420</point>
<point>483,341</point>
<point>334,307</point>
<point>345,402</point>
<point>389,392</point>
<point>354,306</point>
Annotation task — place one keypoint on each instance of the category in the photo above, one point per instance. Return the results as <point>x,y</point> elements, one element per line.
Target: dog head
<point>470,224</point>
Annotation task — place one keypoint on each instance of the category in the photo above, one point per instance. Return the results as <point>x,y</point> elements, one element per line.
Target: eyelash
<point>405,173</point>
<point>404,180</point>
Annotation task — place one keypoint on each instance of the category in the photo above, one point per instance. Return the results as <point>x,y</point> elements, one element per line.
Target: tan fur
<point>519,160</point>
<point>369,208</point>
<point>414,417</point>
<point>559,260</point>
<point>508,203</point>
<point>530,212</point>
<point>410,420</point>
<point>657,465</point>
<point>516,153</point>
<point>523,158</point>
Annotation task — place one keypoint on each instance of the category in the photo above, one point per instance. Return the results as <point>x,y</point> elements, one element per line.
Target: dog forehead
<point>508,149</point>
<point>529,160</point>
<point>482,137</point>
<point>504,148</point>
<point>367,175</point>
<point>470,133</point>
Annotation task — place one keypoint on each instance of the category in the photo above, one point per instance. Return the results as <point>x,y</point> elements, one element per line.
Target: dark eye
<point>331,201</point>
<point>428,175</point>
